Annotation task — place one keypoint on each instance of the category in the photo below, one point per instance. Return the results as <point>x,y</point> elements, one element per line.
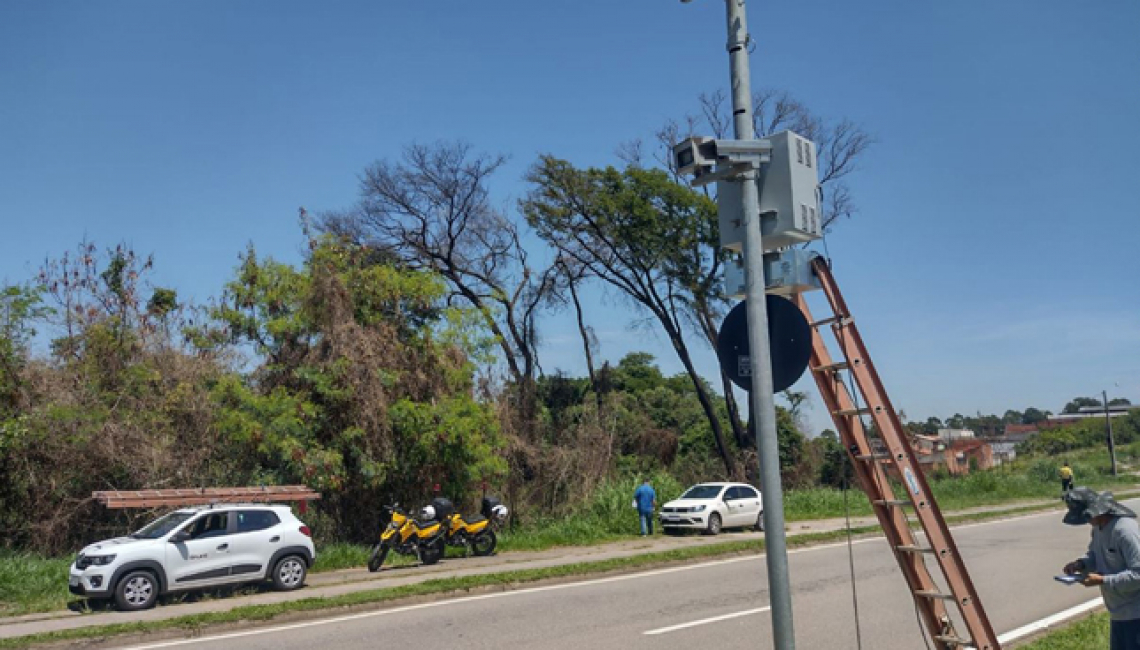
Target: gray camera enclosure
<point>789,199</point>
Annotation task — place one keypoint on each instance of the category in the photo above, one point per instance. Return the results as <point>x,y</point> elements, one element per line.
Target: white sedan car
<point>714,506</point>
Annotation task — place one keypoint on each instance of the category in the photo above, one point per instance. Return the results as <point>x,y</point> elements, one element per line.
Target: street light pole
<point>763,404</point>
<point>1108,423</point>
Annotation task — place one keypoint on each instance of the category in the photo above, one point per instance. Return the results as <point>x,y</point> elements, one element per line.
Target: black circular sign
<point>789,337</point>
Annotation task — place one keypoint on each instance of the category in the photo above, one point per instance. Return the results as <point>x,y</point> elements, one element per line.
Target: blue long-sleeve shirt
<point>645,496</point>
<point>1114,553</point>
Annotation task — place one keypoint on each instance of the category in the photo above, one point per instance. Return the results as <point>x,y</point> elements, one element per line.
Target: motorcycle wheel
<point>432,553</point>
<point>379,552</point>
<point>484,543</point>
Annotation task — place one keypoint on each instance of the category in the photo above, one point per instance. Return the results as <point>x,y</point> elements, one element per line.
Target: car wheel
<point>759,527</point>
<point>137,590</point>
<point>289,574</point>
<point>714,524</point>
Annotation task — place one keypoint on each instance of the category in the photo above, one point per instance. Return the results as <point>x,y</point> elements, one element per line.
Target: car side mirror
<point>179,537</point>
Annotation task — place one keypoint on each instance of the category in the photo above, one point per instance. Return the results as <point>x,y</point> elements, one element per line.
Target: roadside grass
<point>30,583</point>
<point>341,555</point>
<point>1087,633</point>
<point>1025,479</point>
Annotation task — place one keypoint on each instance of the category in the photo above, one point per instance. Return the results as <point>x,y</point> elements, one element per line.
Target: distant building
<point>1005,451</point>
<point>1021,429</point>
<point>955,434</point>
<point>967,455</point>
<point>957,452</point>
<point>1086,412</point>
<point>927,444</point>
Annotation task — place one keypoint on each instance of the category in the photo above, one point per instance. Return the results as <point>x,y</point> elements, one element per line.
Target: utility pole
<point>740,166</point>
<point>1108,423</point>
<point>763,402</point>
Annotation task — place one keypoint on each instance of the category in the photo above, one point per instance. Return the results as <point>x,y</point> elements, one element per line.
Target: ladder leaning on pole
<point>870,459</point>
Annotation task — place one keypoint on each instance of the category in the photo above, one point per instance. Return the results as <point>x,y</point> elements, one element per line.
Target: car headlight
<point>699,508</point>
<point>100,560</point>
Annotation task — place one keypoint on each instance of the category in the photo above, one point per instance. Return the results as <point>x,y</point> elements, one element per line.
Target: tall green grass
<point>29,583</point>
<point>606,516</point>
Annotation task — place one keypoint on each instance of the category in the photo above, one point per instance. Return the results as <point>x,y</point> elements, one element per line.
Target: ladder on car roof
<point>871,458</point>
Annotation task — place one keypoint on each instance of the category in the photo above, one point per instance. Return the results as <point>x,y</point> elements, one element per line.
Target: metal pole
<point>763,404</point>
<point>1108,423</point>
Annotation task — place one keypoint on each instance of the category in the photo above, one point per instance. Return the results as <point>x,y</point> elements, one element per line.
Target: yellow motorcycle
<point>425,538</point>
<point>474,533</point>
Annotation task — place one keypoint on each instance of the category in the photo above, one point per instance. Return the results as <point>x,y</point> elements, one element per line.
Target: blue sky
<point>992,265</point>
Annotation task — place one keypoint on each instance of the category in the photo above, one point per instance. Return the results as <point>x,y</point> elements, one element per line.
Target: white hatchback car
<point>194,548</point>
<point>712,507</point>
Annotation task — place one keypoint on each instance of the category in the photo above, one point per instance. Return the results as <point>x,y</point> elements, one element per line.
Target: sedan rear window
<point>702,492</point>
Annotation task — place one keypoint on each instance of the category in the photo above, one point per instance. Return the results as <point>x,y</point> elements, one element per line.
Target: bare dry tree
<point>431,210</point>
<point>840,143</point>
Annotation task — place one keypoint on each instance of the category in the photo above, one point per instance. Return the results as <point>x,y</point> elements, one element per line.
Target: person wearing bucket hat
<point>1112,561</point>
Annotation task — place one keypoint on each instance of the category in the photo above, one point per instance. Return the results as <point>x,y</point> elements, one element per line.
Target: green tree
<point>640,233</point>
<point>836,470</point>
<point>365,386</point>
<point>119,404</point>
<point>20,308</point>
<point>1078,403</point>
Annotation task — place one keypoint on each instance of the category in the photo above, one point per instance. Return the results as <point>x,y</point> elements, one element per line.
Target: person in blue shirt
<point>646,500</point>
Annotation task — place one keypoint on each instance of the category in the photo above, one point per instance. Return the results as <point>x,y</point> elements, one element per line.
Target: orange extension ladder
<point>871,458</point>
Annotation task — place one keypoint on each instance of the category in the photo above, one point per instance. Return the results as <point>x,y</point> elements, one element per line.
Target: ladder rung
<point>891,502</point>
<point>872,457</point>
<point>860,411</point>
<point>928,593</point>
<point>827,321</point>
<point>832,367</point>
<point>953,640</point>
<point>910,548</point>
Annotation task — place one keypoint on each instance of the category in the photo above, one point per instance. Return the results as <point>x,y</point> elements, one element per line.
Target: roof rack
<point>118,499</point>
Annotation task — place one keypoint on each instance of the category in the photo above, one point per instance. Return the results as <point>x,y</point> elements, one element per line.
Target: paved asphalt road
<point>1012,562</point>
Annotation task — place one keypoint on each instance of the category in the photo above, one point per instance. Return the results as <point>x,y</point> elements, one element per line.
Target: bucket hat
<point>1085,503</point>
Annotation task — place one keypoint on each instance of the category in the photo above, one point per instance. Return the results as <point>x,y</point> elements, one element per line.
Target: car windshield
<point>702,492</point>
<point>160,527</point>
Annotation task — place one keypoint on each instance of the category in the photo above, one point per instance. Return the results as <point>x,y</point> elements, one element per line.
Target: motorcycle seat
<point>474,519</point>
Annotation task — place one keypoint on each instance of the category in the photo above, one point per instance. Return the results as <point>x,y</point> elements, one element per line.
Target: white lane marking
<point>1049,621</point>
<point>1012,635</point>
<point>503,594</point>
<point>703,621</point>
